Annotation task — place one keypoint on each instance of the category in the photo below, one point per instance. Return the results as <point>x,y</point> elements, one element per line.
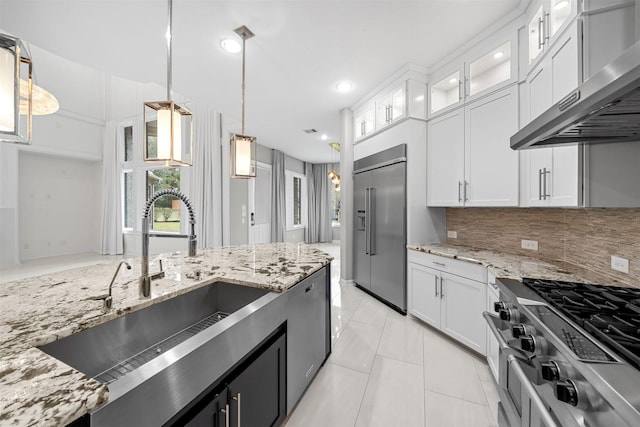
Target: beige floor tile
<point>451,370</point>
<point>491,392</point>
<point>371,311</point>
<point>394,395</point>
<point>348,298</point>
<point>446,411</point>
<point>333,399</point>
<point>356,348</point>
<point>401,339</point>
<point>483,370</point>
<point>339,319</point>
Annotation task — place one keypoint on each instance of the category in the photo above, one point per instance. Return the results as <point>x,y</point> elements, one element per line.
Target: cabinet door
<point>445,159</point>
<point>539,89</point>
<point>535,29</point>
<point>306,331</point>
<point>558,17</point>
<point>390,107</point>
<point>491,166</point>
<point>463,302</point>
<point>364,121</point>
<point>565,62</point>
<point>424,289</point>
<point>214,414</point>
<point>539,162</point>
<point>257,396</point>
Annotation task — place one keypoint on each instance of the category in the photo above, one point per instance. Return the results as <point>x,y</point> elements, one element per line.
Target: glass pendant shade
<point>243,156</point>
<point>168,134</point>
<point>16,91</point>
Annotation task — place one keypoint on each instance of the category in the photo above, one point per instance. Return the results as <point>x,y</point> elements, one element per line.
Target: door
<point>260,205</point>
<point>425,293</point>
<point>445,160</point>
<point>387,246</point>
<point>463,303</point>
<point>362,182</point>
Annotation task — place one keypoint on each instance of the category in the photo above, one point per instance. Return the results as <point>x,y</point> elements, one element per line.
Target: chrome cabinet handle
<point>435,285</point>
<point>460,90</point>
<point>459,191</point>
<point>466,199</point>
<point>442,264</point>
<point>237,398</point>
<point>546,28</point>
<point>441,293</point>
<point>544,192</point>
<point>225,411</point>
<point>540,41</point>
<point>539,184</point>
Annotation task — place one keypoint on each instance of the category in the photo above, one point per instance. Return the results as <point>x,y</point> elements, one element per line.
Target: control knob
<point>566,392</point>
<point>531,344</point>
<point>550,371</point>
<point>510,314</point>
<point>521,329</point>
<point>499,305</point>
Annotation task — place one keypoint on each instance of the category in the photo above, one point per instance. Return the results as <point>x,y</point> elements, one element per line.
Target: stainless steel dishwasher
<point>307,328</point>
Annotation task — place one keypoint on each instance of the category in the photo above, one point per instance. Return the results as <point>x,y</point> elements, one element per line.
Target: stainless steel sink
<point>181,345</point>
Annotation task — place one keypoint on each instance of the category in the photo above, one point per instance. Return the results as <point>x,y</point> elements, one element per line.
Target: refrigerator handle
<point>366,221</point>
<point>372,221</point>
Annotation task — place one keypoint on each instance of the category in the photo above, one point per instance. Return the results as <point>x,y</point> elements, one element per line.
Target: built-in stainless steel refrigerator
<point>380,232</point>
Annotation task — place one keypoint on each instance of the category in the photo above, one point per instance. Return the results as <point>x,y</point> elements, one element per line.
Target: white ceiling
<point>301,50</point>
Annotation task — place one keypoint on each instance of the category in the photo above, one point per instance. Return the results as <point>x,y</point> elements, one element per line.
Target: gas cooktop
<point>610,313</point>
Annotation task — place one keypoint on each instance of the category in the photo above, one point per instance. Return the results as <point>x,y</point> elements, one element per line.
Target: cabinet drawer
<point>453,266</point>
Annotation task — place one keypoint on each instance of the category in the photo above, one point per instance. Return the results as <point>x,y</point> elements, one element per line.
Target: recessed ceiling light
<point>561,5</point>
<point>231,46</point>
<point>324,137</point>
<point>499,54</point>
<point>344,86</point>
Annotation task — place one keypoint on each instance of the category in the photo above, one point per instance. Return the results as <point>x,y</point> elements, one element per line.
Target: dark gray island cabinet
<point>264,386</point>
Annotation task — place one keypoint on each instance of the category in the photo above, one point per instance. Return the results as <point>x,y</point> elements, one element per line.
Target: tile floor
<point>391,370</point>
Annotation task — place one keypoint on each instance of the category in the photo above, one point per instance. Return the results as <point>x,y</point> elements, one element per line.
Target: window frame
<point>304,203</point>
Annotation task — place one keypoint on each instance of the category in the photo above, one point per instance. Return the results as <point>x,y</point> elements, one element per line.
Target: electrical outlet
<point>620,264</point>
<point>452,234</point>
<point>532,245</point>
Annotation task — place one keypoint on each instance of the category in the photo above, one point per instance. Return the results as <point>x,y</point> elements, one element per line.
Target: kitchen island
<point>36,388</point>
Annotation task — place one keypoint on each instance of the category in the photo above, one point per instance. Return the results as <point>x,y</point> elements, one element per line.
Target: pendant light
<point>15,68</point>
<point>243,147</point>
<point>168,127</point>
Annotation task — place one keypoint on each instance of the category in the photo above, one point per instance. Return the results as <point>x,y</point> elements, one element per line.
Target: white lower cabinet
<point>450,297</point>
<point>493,354</point>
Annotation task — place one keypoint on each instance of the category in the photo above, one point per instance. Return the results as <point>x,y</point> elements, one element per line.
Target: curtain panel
<point>111,240</point>
<point>278,208</point>
<point>319,199</point>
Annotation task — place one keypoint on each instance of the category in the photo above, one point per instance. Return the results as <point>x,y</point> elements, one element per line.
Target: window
<point>128,143</point>
<point>335,204</point>
<point>296,200</point>
<point>166,210</point>
<point>127,196</point>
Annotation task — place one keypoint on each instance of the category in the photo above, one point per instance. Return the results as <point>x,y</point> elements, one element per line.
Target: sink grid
<point>150,353</point>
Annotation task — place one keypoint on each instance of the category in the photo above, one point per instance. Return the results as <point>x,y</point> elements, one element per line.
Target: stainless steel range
<point>569,354</point>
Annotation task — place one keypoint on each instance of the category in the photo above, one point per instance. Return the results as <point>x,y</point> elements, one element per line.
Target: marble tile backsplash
<point>584,238</point>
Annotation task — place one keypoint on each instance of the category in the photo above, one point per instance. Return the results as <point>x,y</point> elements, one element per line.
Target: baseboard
<point>345,282</point>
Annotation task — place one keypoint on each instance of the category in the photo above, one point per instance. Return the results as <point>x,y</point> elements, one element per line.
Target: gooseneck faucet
<point>145,278</point>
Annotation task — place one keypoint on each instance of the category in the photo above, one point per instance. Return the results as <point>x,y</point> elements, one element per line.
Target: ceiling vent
<point>310,130</point>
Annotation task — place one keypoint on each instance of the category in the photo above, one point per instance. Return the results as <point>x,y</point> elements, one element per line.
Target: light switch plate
<point>532,245</point>
<point>620,264</point>
<point>452,234</point>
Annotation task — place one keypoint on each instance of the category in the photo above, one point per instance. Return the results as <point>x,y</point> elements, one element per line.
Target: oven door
<point>520,404</point>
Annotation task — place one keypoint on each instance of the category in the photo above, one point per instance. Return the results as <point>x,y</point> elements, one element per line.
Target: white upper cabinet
<point>469,160</point>
<point>547,21</point>
<point>398,101</point>
<point>484,69</point>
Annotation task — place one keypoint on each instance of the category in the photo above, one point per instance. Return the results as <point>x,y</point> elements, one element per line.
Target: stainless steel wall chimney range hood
<point>605,108</point>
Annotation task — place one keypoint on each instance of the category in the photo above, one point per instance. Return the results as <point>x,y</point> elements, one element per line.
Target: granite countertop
<point>37,389</point>
<point>508,266</point>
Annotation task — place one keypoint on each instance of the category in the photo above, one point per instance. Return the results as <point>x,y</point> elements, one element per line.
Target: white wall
<point>59,206</point>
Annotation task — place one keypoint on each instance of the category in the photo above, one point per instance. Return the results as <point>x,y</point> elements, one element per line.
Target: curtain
<point>319,197</point>
<point>278,212</point>
<point>111,241</point>
<point>205,190</point>
<point>312,225</point>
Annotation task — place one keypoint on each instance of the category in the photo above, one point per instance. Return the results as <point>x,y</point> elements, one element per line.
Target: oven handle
<point>504,345</point>
<point>545,415</point>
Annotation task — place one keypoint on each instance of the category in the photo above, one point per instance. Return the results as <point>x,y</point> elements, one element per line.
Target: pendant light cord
<point>169,36</point>
<point>244,39</point>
